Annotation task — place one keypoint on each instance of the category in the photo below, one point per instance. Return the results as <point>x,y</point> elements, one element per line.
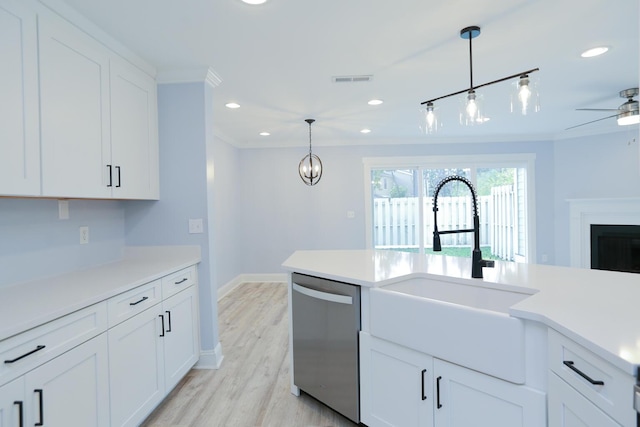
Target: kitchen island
<point>565,320</point>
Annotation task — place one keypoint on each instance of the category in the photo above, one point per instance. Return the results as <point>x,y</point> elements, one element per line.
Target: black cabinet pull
<point>110,176</point>
<point>180,281</point>
<point>569,364</point>
<point>424,397</point>
<point>41,406</point>
<point>38,348</point>
<point>139,301</point>
<point>438,392</point>
<point>20,413</point>
<point>169,320</point>
<point>119,177</point>
<point>162,319</point>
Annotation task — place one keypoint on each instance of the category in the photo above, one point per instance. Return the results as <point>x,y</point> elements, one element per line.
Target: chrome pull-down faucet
<point>476,257</point>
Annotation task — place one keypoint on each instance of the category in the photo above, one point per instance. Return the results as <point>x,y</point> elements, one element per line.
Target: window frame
<point>473,162</point>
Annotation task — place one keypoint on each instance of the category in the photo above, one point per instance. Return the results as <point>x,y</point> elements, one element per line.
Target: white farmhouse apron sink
<point>462,323</point>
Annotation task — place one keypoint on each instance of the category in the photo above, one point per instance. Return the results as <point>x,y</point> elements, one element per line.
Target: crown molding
<point>207,75</point>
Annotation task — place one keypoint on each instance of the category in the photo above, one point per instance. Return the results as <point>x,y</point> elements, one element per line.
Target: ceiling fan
<point>626,113</point>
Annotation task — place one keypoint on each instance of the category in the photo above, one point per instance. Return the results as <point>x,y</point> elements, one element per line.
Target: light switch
<point>195,226</point>
<point>351,214</point>
<point>63,209</point>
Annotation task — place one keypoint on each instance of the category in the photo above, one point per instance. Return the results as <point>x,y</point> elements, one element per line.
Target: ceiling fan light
<point>628,118</point>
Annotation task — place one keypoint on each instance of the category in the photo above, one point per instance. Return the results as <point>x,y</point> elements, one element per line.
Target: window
<point>399,193</point>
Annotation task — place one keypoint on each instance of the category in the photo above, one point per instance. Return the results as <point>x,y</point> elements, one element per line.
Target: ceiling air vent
<point>351,79</point>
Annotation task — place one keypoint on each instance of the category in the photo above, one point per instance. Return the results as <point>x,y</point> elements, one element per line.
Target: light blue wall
<point>602,166</point>
<point>279,214</point>
<point>35,244</point>
<point>183,110</point>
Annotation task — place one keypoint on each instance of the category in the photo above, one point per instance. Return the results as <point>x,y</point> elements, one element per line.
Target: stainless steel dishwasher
<point>326,322</point>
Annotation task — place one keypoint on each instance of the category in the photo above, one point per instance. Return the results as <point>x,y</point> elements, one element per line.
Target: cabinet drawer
<point>580,367</point>
<point>23,352</point>
<point>174,283</point>
<point>130,303</point>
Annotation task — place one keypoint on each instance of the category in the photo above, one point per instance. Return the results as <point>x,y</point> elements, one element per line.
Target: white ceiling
<point>276,60</point>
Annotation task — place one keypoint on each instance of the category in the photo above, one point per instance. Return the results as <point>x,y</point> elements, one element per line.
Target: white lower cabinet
<point>108,364</point>
<point>149,353</point>
<point>12,402</point>
<point>136,364</point>
<point>404,388</point>
<point>71,389</point>
<point>568,408</point>
<point>469,398</point>
<point>180,343</point>
<point>396,384</point>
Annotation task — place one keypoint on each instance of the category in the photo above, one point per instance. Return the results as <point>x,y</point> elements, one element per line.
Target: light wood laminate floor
<point>252,386</point>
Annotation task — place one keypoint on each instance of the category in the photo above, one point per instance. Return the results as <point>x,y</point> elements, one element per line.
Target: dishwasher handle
<point>325,296</point>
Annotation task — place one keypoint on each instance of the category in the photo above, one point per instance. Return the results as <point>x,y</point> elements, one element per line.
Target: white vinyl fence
<point>396,221</point>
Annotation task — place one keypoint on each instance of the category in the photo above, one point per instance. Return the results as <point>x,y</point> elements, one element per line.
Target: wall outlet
<point>196,226</point>
<point>84,235</point>
<point>351,214</point>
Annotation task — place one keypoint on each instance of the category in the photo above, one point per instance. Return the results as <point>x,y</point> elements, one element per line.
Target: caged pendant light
<point>310,167</point>
<point>471,109</point>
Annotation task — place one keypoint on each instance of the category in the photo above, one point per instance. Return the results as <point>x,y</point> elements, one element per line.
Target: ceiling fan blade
<point>596,109</point>
<point>592,121</point>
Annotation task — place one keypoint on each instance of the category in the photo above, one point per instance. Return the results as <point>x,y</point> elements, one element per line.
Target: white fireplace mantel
<point>585,212</point>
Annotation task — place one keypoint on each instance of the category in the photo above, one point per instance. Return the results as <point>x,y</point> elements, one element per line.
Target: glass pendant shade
<point>431,120</point>
<point>525,96</point>
<point>310,167</point>
<point>471,109</point>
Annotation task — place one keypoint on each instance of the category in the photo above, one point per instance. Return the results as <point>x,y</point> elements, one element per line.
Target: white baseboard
<point>210,359</point>
<point>249,278</point>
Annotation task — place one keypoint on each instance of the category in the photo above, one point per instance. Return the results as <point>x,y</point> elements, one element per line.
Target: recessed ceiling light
<point>264,134</point>
<point>254,1</point>
<point>232,105</point>
<point>594,52</point>
<point>375,102</point>
<point>365,131</point>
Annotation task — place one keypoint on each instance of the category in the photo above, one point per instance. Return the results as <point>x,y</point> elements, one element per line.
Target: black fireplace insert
<point>615,247</point>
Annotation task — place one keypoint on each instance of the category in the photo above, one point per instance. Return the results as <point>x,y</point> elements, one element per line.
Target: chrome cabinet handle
<point>38,348</point>
<point>325,296</point>
<point>570,365</point>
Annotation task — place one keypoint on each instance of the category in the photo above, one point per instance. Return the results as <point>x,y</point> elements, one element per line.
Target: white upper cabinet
<point>74,105</point>
<point>79,120</point>
<point>19,143</point>
<point>134,132</point>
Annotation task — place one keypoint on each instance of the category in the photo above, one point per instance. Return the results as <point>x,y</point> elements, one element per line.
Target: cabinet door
<point>19,139</point>
<point>396,385</point>
<point>134,132</point>
<point>181,340</point>
<point>72,389</point>
<point>568,408</point>
<point>136,366</point>
<point>74,108</point>
<point>12,405</point>
<point>469,398</point>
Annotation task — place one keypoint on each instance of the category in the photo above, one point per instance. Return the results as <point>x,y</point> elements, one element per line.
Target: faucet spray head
<point>437,247</point>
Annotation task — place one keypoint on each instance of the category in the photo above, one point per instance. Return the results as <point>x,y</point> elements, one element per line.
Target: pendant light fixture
<point>310,167</point>
<point>471,111</point>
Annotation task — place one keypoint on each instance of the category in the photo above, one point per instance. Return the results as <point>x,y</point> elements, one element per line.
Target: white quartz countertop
<point>27,305</point>
<point>598,309</point>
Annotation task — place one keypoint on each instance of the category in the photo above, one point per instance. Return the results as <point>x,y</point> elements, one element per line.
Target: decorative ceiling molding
<point>207,75</point>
